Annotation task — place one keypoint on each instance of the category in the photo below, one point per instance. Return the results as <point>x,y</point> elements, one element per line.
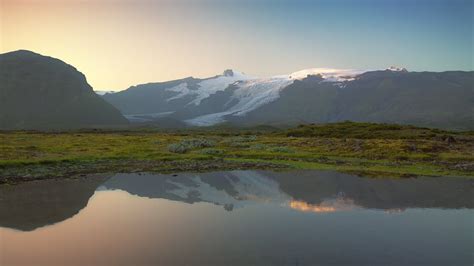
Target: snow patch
<point>397,69</point>
<point>182,90</point>
<point>328,74</point>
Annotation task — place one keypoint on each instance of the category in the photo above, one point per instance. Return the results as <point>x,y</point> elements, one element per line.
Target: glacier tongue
<point>250,95</point>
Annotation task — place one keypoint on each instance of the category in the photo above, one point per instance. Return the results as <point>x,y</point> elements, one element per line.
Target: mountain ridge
<point>328,97</point>
<point>41,92</point>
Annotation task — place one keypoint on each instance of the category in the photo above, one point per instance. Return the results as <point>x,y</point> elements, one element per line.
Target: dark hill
<point>39,92</point>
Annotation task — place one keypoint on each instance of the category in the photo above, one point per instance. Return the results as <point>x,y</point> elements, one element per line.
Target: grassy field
<point>362,148</point>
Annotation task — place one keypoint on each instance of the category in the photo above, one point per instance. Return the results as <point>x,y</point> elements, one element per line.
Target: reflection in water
<point>237,218</point>
<point>338,204</point>
<point>242,188</point>
<point>305,207</point>
<point>36,204</point>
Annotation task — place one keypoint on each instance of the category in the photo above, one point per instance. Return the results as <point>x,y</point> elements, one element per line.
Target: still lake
<point>238,218</point>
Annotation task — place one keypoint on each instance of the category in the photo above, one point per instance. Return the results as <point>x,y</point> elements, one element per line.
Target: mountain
<point>442,100</point>
<point>320,95</point>
<point>39,92</point>
<point>153,101</point>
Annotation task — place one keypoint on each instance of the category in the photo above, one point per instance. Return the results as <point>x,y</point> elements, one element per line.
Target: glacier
<point>250,95</point>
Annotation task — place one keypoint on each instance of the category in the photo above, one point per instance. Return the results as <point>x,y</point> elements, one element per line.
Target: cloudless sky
<point>119,43</point>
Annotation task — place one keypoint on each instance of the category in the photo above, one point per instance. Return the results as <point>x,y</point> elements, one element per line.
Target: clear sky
<point>119,43</point>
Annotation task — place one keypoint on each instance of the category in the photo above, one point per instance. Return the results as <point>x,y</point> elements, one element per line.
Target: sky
<point>120,43</point>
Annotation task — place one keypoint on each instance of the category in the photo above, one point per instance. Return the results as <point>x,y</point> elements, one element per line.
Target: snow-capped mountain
<point>306,96</point>
<point>245,93</point>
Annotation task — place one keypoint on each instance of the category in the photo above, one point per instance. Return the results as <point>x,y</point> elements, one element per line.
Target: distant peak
<point>397,69</point>
<point>228,73</point>
<point>235,75</point>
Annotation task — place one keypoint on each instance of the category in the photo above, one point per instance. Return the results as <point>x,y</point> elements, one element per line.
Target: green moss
<point>367,131</point>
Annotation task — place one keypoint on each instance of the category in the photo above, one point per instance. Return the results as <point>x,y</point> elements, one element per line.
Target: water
<point>237,218</point>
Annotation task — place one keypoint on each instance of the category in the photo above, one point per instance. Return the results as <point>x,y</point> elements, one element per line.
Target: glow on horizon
<point>120,43</point>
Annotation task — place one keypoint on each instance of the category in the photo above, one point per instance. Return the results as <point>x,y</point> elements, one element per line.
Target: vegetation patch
<point>190,144</point>
<point>353,147</point>
<point>371,131</point>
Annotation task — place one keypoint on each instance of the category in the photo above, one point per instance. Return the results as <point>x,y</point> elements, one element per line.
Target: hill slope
<point>39,92</point>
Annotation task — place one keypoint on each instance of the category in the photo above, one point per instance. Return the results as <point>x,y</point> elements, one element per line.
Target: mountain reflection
<point>36,204</point>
